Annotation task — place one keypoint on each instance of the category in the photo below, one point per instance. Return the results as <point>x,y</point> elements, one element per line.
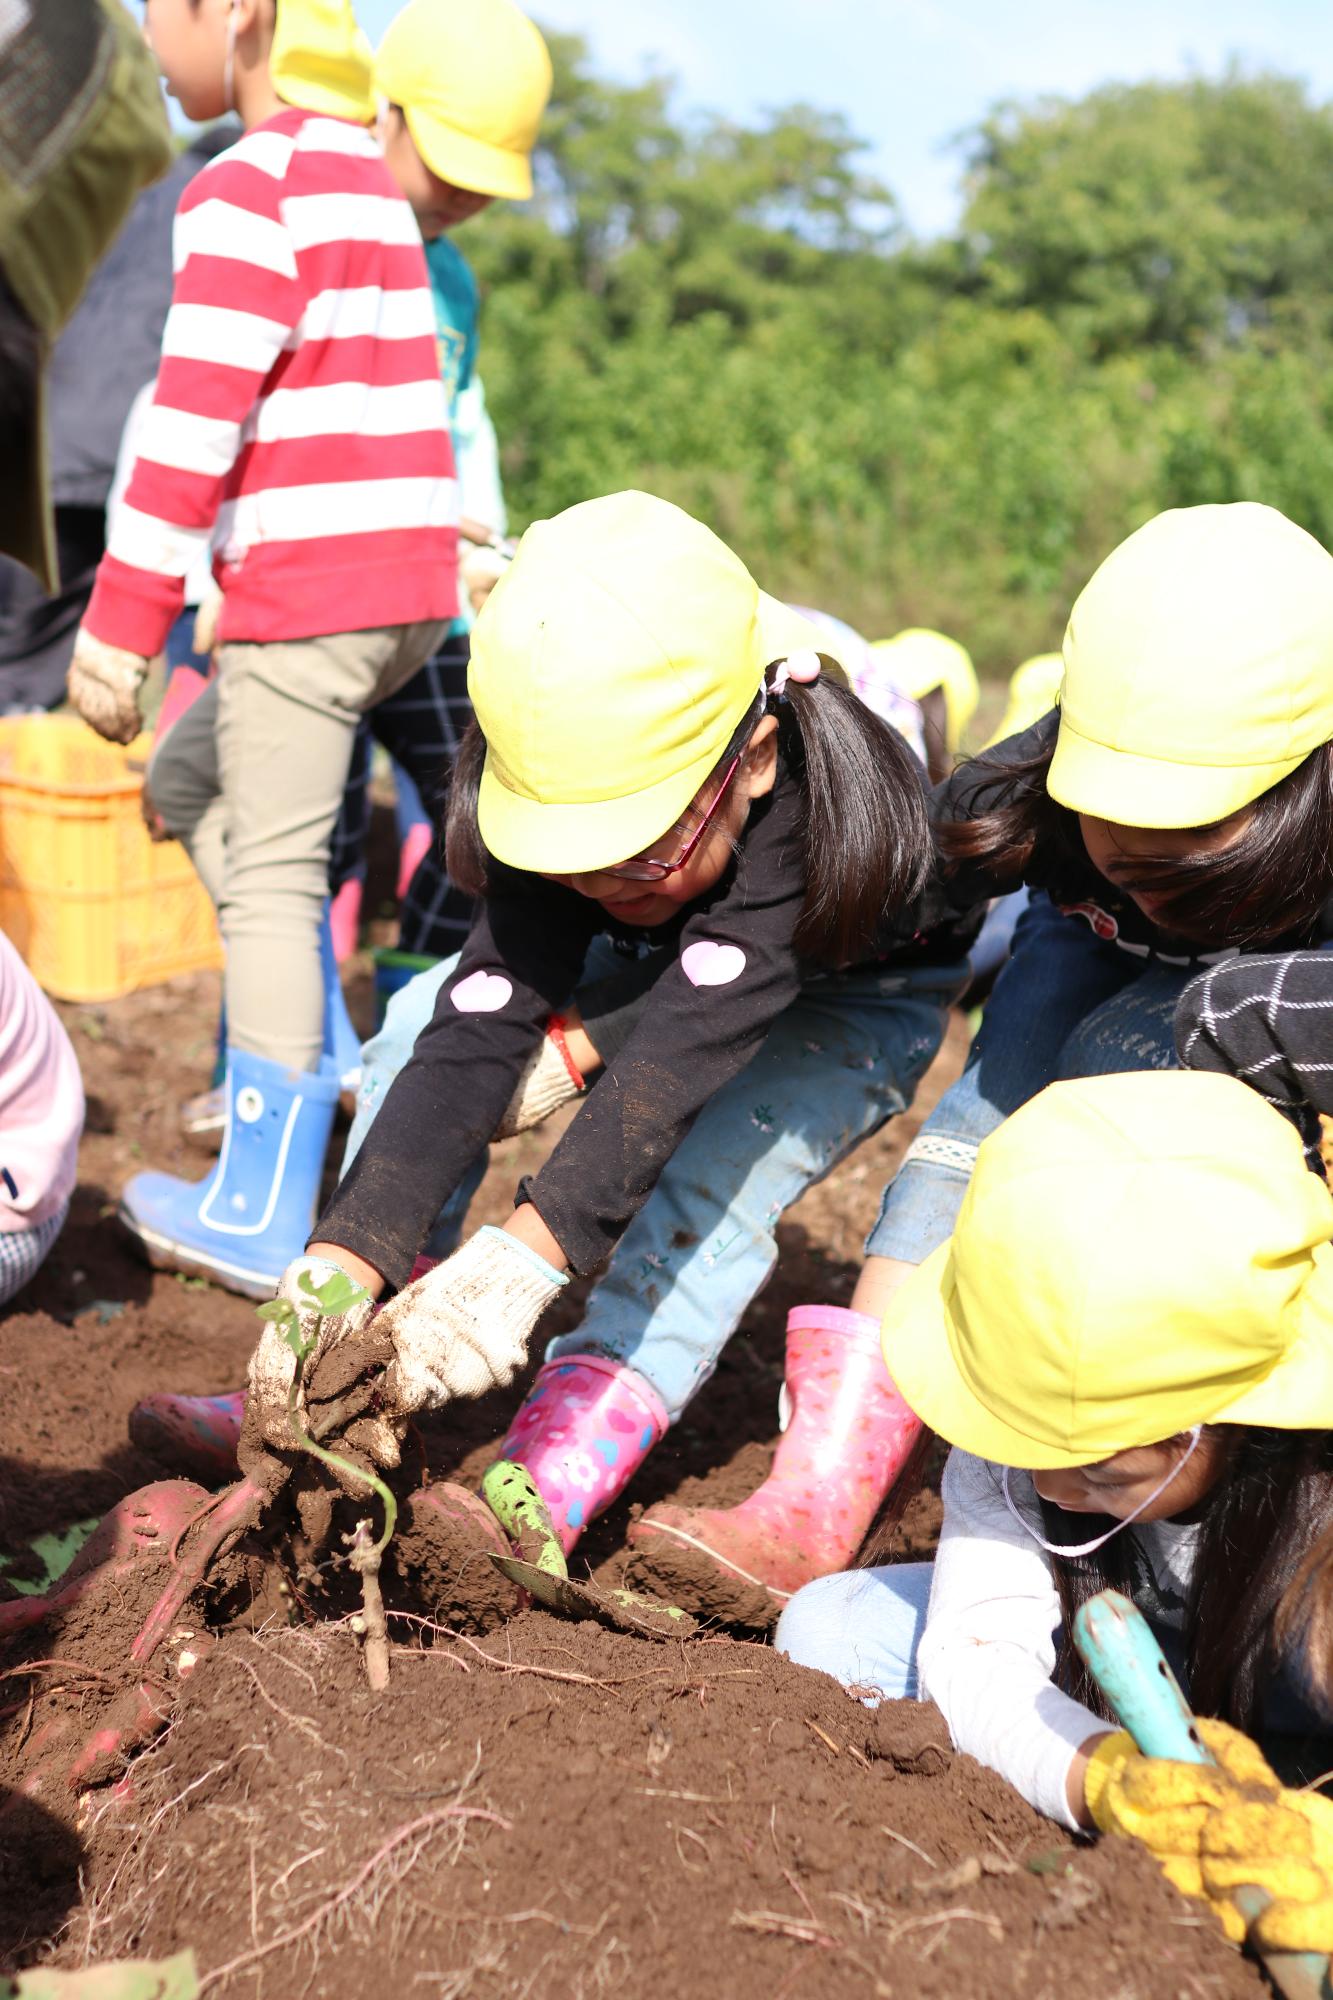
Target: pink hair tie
<point>802,667</point>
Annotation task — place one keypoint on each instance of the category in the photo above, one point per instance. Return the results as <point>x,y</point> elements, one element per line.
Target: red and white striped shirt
<point>299,418</point>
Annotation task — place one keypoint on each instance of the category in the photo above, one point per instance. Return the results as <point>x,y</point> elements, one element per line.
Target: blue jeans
<point>844,1058</point>
<point>1067,1004</point>
<point>863,1626</point>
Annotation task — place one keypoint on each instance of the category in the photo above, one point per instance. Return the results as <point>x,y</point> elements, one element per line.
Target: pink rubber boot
<point>849,1437</point>
<point>584,1431</point>
<point>195,1435</point>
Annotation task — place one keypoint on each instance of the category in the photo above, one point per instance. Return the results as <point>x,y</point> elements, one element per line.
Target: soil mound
<point>561,1810</point>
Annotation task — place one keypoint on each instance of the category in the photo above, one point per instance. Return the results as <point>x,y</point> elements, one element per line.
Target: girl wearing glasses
<point>672,802</point>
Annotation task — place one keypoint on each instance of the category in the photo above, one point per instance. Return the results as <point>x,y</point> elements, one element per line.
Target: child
<point>663,760</point>
<point>299,407</point>
<point>41,1119</point>
<point>1177,809</point>
<point>1129,1345</point>
<point>463,85</point>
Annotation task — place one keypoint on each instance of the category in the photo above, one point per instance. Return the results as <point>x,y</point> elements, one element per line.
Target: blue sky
<point>910,74</point>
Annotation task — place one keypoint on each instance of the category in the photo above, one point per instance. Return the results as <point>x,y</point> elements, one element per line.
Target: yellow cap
<point>472,78</point>
<point>1135,1254</point>
<point>1198,668</point>
<point>611,666</point>
<point>920,660</point>
<point>321,61</point>
<point>1033,690</point>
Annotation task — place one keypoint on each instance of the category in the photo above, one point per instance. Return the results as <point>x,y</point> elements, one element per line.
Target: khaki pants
<point>250,780</point>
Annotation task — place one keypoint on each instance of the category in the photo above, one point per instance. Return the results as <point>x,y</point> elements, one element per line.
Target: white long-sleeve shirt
<point>989,1646</point>
<point>41,1101</point>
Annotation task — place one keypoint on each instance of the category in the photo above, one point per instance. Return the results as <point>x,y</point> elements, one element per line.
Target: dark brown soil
<point>550,1809</point>
<point>563,1811</point>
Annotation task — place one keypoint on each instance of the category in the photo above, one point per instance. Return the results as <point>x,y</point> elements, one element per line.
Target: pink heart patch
<point>710,964</point>
<point>482,993</point>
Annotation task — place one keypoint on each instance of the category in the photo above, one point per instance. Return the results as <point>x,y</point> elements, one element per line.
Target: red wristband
<point>555,1029</point>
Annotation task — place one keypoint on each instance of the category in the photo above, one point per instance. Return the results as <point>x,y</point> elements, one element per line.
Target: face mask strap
<point>1100,1541</point>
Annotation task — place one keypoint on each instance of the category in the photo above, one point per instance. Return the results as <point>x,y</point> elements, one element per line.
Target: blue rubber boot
<point>243,1225</point>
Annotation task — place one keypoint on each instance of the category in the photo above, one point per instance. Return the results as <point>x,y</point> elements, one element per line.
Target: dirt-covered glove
<point>205,634</point>
<point>339,1402</point>
<point>1285,1848</point>
<point>464,1328</point>
<point>1167,1806</point>
<point>551,1078</point>
<point>103,685</point>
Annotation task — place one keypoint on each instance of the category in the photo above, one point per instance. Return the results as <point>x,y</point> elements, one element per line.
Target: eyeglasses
<point>650,867</point>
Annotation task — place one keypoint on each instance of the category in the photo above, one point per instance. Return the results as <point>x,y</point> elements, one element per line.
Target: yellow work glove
<point>1285,1848</point>
<point>1166,1806</point>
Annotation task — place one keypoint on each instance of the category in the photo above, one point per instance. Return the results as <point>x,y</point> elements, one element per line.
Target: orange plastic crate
<point>96,908</point>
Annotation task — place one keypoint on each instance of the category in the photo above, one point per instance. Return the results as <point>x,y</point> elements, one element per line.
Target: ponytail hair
<point>865,834</point>
<point>865,827</point>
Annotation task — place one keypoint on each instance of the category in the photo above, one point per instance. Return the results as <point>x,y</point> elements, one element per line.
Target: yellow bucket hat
<point>611,666</point>
<point>1033,691</point>
<point>321,61</point>
<point>1135,1254</point>
<point>1198,668</point>
<point>472,78</point>
<point>920,660</point>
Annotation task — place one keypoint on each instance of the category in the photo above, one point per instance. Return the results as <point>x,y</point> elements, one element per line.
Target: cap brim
<point>921,1354</point>
<point>578,839</point>
<point>466,162</point>
<point>1131,790</point>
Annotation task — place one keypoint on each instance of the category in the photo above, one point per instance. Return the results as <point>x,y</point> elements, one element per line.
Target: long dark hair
<point>1269,882</point>
<point>1260,1598</point>
<point>865,834</point>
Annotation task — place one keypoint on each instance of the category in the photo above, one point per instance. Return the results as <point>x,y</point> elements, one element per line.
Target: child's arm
<point>1268,1020</point>
<point>522,959</point>
<point>988,1650</point>
<point>236,297</point>
<point>706,1017</point>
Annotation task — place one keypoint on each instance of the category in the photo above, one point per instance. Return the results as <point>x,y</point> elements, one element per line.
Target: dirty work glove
<point>464,1328</point>
<point>551,1078</point>
<point>1166,1806</point>
<point>339,1380</point>
<point>103,684</point>
<point>1284,1847</point>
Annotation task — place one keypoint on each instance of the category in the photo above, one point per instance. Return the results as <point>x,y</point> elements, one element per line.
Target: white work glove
<point>103,685</point>
<point>205,634</point>
<point>549,1081</point>
<point>346,1359</point>
<point>464,1328</point>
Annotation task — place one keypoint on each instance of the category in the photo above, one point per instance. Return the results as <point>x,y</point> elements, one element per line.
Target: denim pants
<point>844,1058</point>
<point>1067,1004</point>
<point>863,1626</point>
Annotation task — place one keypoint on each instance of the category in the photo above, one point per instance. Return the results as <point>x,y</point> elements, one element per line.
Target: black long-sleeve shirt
<point>1267,1019</point>
<point>727,969</point>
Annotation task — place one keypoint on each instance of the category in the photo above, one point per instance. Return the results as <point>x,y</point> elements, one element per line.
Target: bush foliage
<point>1135,312</point>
